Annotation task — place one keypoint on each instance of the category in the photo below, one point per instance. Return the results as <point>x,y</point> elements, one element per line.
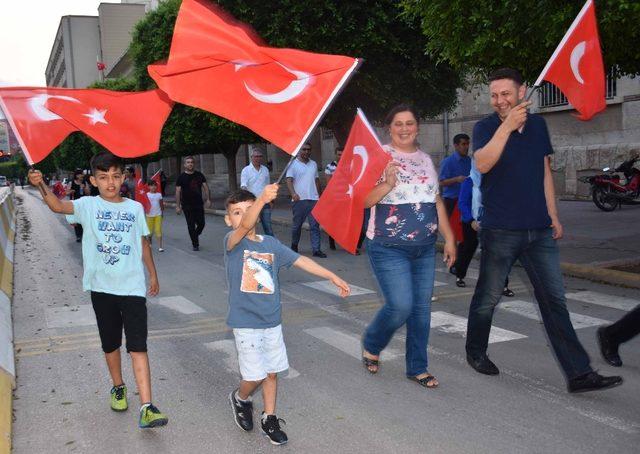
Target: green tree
<point>476,36</point>
<point>395,67</point>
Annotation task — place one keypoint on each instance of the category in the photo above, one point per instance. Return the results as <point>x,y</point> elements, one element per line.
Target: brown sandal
<point>369,362</point>
<point>428,381</point>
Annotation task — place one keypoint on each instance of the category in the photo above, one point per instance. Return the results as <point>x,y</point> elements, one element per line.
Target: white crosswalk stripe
<point>228,348</point>
<point>602,299</point>
<point>454,324</point>
<point>347,343</point>
<point>328,287</point>
<point>472,273</point>
<point>178,303</point>
<point>531,311</point>
<point>70,316</point>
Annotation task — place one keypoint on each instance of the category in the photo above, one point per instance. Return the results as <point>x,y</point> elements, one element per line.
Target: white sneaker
<point>160,249</point>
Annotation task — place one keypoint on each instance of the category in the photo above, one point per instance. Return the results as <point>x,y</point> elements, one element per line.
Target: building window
<point>550,96</point>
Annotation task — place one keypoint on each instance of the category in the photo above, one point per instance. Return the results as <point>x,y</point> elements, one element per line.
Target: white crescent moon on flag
<point>362,152</point>
<point>576,56</point>
<point>39,110</point>
<point>294,89</point>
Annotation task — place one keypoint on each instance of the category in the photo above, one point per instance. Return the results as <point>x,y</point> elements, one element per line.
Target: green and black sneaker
<point>119,398</point>
<point>150,417</point>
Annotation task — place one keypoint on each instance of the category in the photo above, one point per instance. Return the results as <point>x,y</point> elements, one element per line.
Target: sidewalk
<point>593,240</point>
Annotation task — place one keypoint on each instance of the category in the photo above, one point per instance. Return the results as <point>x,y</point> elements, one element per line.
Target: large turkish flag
<point>219,65</point>
<point>576,66</point>
<point>37,129</point>
<point>340,209</point>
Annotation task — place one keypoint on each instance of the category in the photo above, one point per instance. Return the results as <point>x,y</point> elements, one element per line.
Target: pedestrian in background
<point>453,170</point>
<point>192,195</point>
<point>406,214</point>
<point>254,178</point>
<point>155,214</point>
<point>77,190</point>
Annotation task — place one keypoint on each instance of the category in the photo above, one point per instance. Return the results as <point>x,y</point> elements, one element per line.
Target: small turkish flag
<point>37,129</point>
<point>340,209</point>
<point>141,191</point>
<point>128,124</point>
<point>158,180</point>
<point>101,66</point>
<point>576,66</point>
<point>219,65</point>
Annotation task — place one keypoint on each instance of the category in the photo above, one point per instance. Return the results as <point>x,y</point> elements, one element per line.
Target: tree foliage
<point>477,36</point>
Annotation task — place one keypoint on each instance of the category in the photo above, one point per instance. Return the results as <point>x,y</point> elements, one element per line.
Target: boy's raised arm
<point>308,265</point>
<point>250,217</point>
<point>53,202</point>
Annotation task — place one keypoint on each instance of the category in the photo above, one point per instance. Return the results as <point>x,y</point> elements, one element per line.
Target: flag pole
<point>358,62</point>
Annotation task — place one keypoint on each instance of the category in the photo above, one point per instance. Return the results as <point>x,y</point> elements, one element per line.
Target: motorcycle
<point>608,193</point>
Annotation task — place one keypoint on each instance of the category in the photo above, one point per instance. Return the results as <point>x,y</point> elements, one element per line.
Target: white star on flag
<point>96,116</point>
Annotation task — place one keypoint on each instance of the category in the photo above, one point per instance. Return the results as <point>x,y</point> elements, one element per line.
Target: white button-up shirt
<point>254,180</point>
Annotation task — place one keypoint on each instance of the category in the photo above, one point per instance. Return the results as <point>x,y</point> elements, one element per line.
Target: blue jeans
<point>405,275</point>
<point>301,211</point>
<point>265,220</point>
<point>539,255</point>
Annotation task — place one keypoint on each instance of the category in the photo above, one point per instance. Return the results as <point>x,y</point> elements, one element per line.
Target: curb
<point>7,361</point>
<point>591,273</point>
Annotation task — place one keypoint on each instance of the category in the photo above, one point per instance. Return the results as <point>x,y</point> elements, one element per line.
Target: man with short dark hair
<point>192,195</point>
<point>453,170</point>
<point>520,222</point>
<point>254,178</point>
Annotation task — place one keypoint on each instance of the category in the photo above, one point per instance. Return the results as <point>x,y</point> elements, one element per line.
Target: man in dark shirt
<point>520,222</point>
<point>192,195</point>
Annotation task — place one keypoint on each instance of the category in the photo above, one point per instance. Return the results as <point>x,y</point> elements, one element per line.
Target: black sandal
<point>369,362</point>
<point>427,381</point>
<point>508,292</point>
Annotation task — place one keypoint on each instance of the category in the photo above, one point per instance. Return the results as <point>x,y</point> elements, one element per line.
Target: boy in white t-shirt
<point>154,216</point>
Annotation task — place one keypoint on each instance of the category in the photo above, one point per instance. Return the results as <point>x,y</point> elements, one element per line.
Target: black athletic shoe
<point>242,412</point>
<point>460,282</point>
<point>196,248</point>
<point>592,381</point>
<point>320,254</point>
<point>271,428</point>
<point>608,349</point>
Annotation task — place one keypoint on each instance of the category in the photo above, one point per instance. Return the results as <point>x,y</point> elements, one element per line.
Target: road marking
<point>454,324</point>
<point>178,303</point>
<point>346,343</point>
<point>531,311</point>
<point>328,287</point>
<point>472,273</point>
<point>70,316</point>
<point>228,348</point>
<point>601,299</point>
<point>439,284</point>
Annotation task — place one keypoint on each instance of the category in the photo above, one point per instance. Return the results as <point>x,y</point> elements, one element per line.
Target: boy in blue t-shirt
<point>252,263</point>
<point>114,250</point>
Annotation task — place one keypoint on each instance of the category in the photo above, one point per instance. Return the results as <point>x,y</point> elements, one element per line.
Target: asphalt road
<point>330,403</point>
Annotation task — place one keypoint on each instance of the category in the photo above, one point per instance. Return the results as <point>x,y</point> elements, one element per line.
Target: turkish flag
<point>128,124</point>
<point>37,129</point>
<point>576,66</point>
<point>141,191</point>
<point>219,65</point>
<point>158,180</point>
<point>340,209</point>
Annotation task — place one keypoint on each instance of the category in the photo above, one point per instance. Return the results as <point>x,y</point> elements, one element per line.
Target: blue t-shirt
<point>513,190</point>
<point>454,166</point>
<point>111,245</point>
<point>252,277</point>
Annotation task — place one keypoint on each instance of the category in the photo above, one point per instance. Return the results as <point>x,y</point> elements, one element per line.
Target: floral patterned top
<point>407,214</point>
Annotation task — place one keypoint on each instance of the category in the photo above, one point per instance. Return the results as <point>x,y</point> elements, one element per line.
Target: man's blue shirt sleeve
<point>464,200</point>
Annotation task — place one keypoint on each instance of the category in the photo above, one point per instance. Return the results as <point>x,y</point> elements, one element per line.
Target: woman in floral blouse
<point>406,214</point>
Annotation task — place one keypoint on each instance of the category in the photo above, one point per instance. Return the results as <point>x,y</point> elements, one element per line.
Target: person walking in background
<point>406,214</point>
<point>77,190</point>
<point>520,222</point>
<point>303,183</point>
<point>329,170</point>
<point>154,216</point>
<point>453,170</point>
<point>254,178</point>
<point>192,195</point>
<point>128,189</point>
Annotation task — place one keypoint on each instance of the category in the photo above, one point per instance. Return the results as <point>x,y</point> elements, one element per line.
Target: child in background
<point>154,216</point>
<point>252,262</point>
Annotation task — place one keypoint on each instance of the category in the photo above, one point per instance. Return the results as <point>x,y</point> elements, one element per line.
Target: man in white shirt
<point>304,186</point>
<point>254,178</point>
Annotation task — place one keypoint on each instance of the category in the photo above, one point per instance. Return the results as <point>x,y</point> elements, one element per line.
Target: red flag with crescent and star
<point>576,66</point>
<point>340,209</point>
<point>220,65</point>
<point>126,123</point>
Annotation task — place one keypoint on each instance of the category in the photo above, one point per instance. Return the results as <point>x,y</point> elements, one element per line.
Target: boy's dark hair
<point>506,73</point>
<point>458,137</point>
<point>404,107</point>
<point>152,183</point>
<point>241,195</point>
<point>104,161</point>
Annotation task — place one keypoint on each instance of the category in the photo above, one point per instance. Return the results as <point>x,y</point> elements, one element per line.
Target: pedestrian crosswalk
<point>531,311</point>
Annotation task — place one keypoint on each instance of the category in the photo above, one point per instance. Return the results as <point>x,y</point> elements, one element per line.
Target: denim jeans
<point>405,275</point>
<point>539,255</point>
<point>301,211</point>
<point>265,220</point>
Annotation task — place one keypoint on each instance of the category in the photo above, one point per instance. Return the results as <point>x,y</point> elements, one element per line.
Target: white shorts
<point>260,352</point>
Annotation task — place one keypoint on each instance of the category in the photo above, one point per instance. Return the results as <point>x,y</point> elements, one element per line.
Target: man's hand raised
<point>517,117</point>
